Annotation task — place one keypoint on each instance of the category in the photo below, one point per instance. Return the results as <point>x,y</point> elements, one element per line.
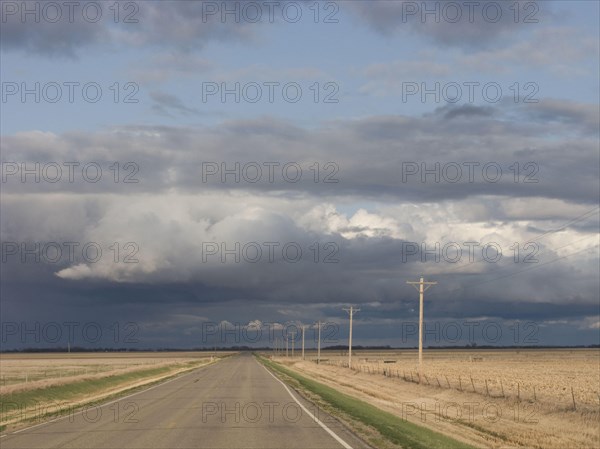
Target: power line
<point>563,227</point>
<point>573,242</point>
<point>533,267</point>
<point>539,236</point>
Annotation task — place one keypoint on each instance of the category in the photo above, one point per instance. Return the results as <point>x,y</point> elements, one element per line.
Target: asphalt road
<point>235,403</point>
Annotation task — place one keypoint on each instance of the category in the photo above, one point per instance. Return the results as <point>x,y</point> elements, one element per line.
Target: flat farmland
<point>517,373</point>
<point>491,398</point>
<point>37,385</point>
<point>19,369</point>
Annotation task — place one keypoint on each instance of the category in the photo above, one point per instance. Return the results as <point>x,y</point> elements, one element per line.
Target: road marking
<point>103,405</point>
<point>327,429</point>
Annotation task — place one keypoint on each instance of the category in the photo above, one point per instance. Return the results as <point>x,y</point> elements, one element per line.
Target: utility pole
<point>287,342</point>
<point>293,342</point>
<point>422,287</point>
<point>319,343</point>
<point>350,311</point>
<point>303,327</point>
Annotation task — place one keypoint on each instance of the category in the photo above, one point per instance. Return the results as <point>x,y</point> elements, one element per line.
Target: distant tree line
<point>269,348</point>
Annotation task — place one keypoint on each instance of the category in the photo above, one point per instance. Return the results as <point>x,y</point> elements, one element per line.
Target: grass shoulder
<point>378,427</point>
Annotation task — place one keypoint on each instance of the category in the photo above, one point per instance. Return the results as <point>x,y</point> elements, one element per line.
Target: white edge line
<point>327,429</point>
<point>45,423</point>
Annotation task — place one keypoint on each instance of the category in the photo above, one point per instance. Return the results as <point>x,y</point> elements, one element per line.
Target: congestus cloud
<point>395,186</point>
<point>268,247</point>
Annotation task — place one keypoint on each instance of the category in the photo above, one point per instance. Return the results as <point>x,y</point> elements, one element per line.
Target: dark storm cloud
<point>171,213</point>
<point>174,313</point>
<point>362,269</point>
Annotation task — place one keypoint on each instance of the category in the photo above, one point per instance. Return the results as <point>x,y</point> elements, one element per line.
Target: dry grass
<point>484,416</point>
<point>53,372</point>
<point>25,371</point>
<point>545,376</point>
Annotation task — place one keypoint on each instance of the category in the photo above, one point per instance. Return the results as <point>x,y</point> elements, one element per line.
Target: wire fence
<point>569,398</point>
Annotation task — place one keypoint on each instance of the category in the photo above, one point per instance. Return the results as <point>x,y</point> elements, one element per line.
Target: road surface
<point>235,403</point>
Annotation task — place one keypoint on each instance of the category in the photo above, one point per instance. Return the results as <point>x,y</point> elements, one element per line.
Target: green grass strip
<point>79,388</point>
<point>391,427</point>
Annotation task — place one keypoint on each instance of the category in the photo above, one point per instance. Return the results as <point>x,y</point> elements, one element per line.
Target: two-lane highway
<point>235,403</point>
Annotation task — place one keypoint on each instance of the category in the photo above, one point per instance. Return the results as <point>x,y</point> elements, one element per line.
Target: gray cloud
<point>370,214</point>
<point>164,103</point>
<point>164,24</point>
<point>61,38</point>
<point>368,156</point>
<point>455,24</point>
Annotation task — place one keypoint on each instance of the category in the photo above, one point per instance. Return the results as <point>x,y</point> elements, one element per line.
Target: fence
<point>494,388</point>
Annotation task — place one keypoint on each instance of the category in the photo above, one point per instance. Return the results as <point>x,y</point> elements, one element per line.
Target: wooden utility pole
<point>319,343</point>
<point>293,342</point>
<point>303,328</point>
<point>422,287</point>
<point>351,312</point>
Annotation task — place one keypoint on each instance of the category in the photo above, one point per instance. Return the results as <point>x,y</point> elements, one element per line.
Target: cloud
<point>452,24</point>
<point>363,221</point>
<point>466,110</point>
<point>165,103</point>
<point>564,51</point>
<point>167,66</point>
<point>33,33</point>
<point>64,33</point>
<point>387,78</point>
<point>470,151</point>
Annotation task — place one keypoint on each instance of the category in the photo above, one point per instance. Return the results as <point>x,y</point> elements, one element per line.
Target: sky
<point>184,174</point>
